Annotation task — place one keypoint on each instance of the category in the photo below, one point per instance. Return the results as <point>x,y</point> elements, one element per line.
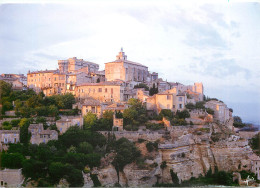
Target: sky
<point>184,41</point>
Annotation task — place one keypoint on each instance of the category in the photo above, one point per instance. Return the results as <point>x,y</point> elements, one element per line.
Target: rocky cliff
<point>190,151</point>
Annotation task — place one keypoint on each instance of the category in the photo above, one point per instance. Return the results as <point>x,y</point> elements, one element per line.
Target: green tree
<point>142,85</point>
<point>183,114</point>
<point>5,89</point>
<point>166,113</point>
<point>175,179</point>
<point>153,90</point>
<point>89,120</point>
<point>12,160</point>
<point>126,153</point>
<point>85,148</point>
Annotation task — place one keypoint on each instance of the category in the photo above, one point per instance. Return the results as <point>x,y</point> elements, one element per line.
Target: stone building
<point>71,72</point>
<point>255,164</point>
<point>72,65</point>
<point>123,69</point>
<point>11,178</point>
<point>104,92</point>
<point>92,105</point>
<point>39,135</point>
<point>170,99</point>
<point>221,112</point>
<point>18,81</point>
<point>68,121</point>
<point>117,123</point>
<point>9,136</point>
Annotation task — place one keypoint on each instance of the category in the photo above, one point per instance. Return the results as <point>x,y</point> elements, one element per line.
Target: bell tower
<point>121,55</point>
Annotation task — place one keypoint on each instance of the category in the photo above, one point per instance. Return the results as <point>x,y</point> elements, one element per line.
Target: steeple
<point>121,55</point>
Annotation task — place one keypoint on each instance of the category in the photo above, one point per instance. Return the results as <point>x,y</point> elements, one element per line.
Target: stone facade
<point>169,99</point>
<point>39,135</point>
<point>117,123</point>
<point>68,121</point>
<point>72,65</point>
<point>104,92</point>
<point>11,178</point>
<point>123,69</point>
<point>18,81</point>
<point>91,105</point>
<point>221,111</point>
<point>9,136</point>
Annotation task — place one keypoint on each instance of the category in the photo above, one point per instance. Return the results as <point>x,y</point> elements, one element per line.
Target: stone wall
<point>151,136</point>
<point>11,177</point>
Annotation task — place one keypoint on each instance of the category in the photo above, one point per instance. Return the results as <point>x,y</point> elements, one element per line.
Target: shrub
<point>166,113</point>
<point>154,126</point>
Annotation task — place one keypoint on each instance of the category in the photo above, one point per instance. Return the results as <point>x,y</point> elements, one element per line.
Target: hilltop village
<point>122,126</point>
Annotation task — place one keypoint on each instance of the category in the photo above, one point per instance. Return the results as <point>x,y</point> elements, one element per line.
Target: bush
<point>154,126</point>
<point>166,113</point>
<point>150,146</point>
<point>183,114</point>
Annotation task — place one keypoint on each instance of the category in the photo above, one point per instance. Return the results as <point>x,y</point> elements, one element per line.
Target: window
<point>105,90</point>
<point>180,106</point>
<point>111,90</point>
<point>180,98</point>
<point>168,97</point>
<point>99,90</point>
<point>82,91</point>
<point>173,106</point>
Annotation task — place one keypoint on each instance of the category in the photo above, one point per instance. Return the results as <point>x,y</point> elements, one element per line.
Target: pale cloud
<point>217,44</point>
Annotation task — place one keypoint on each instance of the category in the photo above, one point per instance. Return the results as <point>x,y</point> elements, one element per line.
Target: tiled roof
<point>101,84</point>
<point>89,101</point>
<point>42,71</point>
<point>129,62</point>
<point>36,126</point>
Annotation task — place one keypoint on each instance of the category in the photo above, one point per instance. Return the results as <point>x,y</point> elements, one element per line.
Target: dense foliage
<point>142,85</point>
<point>27,103</point>
<point>238,122</point>
<point>135,115</point>
<point>63,158</point>
<point>126,153</point>
<point>153,90</point>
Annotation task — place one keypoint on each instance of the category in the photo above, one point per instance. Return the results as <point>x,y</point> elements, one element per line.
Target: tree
<point>190,106</point>
<point>153,90</point>
<point>238,122</point>
<point>12,160</point>
<point>183,114</point>
<point>5,89</point>
<point>175,179</point>
<point>126,153</point>
<point>130,115</point>
<point>142,85</point>
<point>24,135</point>
<point>200,105</point>
<point>85,148</point>
<point>89,120</point>
<point>166,113</point>
<point>108,114</point>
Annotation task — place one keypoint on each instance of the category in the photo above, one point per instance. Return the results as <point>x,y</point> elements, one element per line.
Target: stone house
<point>91,105</point>
<point>123,69</point>
<point>103,91</point>
<point>68,121</point>
<point>169,99</point>
<point>221,111</point>
<point>18,81</point>
<point>11,178</point>
<point>116,107</point>
<point>9,136</point>
<point>39,135</point>
<point>255,164</point>
<point>117,123</point>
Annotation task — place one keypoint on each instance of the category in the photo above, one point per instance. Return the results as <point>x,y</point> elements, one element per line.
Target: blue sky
<point>214,43</point>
